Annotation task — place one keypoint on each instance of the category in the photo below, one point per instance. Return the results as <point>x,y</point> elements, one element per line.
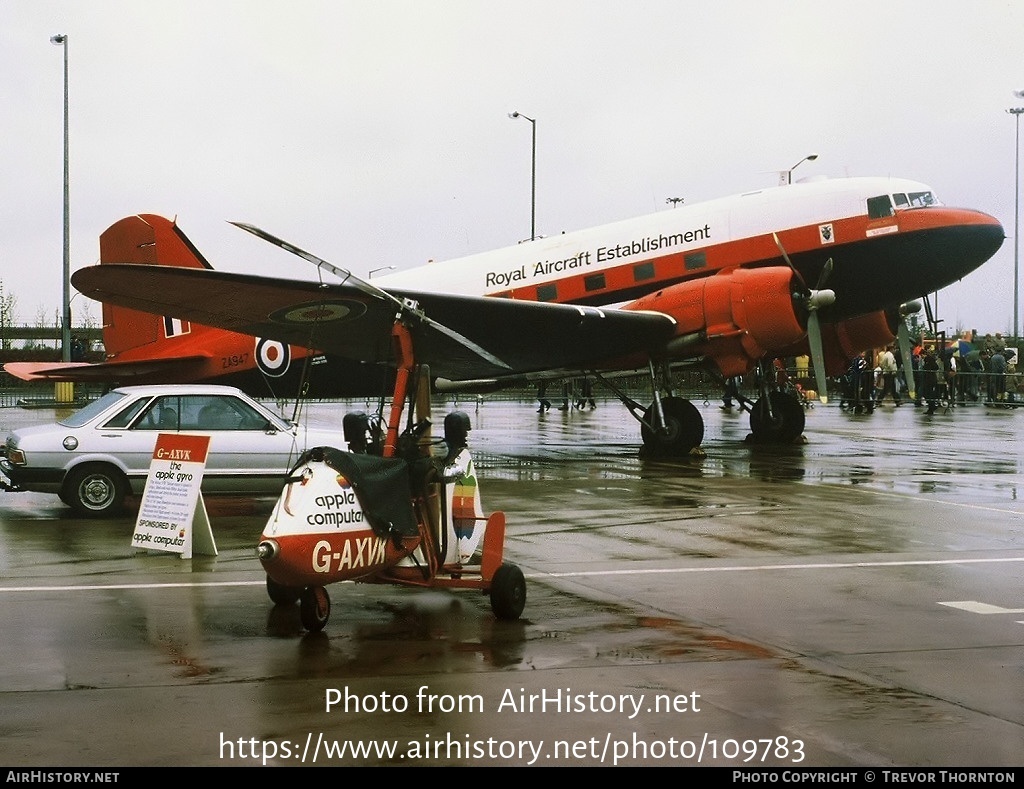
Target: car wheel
<point>95,491</point>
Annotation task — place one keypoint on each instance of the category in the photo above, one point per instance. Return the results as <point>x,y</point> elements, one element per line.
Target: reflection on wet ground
<point>820,591</point>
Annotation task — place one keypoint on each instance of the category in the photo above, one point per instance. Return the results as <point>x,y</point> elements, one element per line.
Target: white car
<point>98,455</point>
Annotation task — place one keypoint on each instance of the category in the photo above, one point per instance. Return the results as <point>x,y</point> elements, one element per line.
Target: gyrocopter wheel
<point>508,592</point>
<point>281,594</point>
<point>314,608</point>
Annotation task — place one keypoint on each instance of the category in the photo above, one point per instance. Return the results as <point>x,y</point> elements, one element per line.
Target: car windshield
<point>85,415</point>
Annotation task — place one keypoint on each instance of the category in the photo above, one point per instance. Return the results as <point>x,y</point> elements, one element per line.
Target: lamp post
<point>1016,112</point>
<point>61,40</point>
<point>533,173</point>
<point>786,176</point>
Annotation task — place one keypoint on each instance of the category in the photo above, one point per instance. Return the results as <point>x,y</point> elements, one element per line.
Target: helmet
<point>456,427</point>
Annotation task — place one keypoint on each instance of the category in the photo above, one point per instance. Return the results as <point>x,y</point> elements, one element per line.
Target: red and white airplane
<point>143,348</point>
<point>820,267</point>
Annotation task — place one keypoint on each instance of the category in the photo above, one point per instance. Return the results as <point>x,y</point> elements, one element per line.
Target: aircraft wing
<point>85,372</point>
<point>460,337</point>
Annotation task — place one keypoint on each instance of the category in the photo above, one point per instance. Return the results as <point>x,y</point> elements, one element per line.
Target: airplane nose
<point>981,236</point>
<point>931,248</point>
<point>949,242</point>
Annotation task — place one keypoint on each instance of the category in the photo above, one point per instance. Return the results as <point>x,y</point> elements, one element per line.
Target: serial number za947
<point>236,360</point>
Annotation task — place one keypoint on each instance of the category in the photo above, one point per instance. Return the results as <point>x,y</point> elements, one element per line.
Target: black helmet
<point>356,426</point>
<point>456,427</point>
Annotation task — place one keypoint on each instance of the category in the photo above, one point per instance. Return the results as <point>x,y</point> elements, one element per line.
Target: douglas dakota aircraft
<point>729,284</point>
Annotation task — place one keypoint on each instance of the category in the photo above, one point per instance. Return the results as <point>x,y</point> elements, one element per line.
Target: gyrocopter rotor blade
<point>814,300</point>
<point>407,308</point>
<point>903,338</point>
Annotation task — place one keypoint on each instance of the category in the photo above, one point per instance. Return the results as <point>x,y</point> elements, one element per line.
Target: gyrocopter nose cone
<point>267,550</point>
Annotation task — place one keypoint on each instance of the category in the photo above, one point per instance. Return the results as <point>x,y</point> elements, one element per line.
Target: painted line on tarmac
<point>963,504</point>
<point>756,567</point>
<point>576,574</point>
<point>112,587</point>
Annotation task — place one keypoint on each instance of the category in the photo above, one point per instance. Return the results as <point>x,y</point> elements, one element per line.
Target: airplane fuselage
<point>890,240</point>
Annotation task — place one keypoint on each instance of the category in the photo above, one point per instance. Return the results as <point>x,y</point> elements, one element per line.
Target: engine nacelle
<point>843,340</point>
<point>734,318</point>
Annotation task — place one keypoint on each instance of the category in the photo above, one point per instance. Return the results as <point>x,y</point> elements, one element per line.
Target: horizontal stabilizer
<point>83,372</point>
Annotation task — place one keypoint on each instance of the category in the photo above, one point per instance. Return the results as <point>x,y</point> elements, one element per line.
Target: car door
<point>250,451</point>
<point>130,435</point>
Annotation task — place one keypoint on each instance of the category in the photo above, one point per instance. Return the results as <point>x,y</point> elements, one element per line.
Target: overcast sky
<point>377,133</point>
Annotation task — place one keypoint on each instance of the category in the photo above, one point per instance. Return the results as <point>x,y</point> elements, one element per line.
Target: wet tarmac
<point>852,600</point>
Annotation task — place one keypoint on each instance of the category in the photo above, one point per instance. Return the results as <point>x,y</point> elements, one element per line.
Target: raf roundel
<point>272,357</point>
<point>320,312</point>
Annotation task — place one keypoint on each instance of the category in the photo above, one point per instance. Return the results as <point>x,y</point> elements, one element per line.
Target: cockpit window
<point>900,200</point>
<point>879,207</point>
<point>919,199</point>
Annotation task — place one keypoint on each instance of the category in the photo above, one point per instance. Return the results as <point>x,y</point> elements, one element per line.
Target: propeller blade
<point>817,355</point>
<point>826,272</point>
<point>348,278</point>
<point>785,255</point>
<point>903,338</point>
<point>814,300</point>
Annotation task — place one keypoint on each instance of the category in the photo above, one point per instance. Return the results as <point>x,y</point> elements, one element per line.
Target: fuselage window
<point>879,207</point>
<point>694,260</point>
<point>547,293</point>
<point>594,282</point>
<point>642,271</point>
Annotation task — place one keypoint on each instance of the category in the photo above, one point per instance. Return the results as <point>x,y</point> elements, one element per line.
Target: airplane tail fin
<point>152,239</point>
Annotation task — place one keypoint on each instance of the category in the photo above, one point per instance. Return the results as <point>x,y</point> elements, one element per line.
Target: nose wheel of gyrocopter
<point>314,608</point>
<point>281,594</point>
<point>508,592</point>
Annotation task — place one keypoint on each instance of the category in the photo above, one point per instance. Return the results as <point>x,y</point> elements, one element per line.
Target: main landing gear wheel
<point>314,608</point>
<point>508,592</point>
<point>785,422</point>
<point>683,431</point>
<point>281,594</point>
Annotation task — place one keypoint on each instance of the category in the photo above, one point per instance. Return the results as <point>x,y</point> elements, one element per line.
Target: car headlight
<point>16,456</point>
<point>70,443</point>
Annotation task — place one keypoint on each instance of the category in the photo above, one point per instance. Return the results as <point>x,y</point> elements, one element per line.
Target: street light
<point>786,176</point>
<point>1016,112</point>
<point>61,40</point>
<point>533,173</point>
<point>674,201</point>
<point>375,270</point>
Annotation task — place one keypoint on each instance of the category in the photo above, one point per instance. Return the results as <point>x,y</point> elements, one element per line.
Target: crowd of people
<point>975,370</point>
<point>968,370</point>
